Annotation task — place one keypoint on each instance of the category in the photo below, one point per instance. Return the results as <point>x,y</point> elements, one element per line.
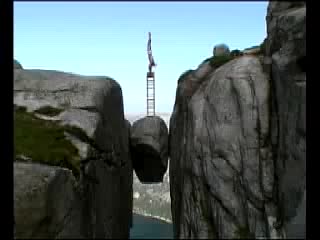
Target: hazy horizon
<point>110,39</point>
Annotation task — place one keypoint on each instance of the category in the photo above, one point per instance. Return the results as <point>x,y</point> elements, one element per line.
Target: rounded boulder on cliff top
<point>221,50</point>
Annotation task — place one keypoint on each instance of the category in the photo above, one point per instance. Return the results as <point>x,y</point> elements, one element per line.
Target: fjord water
<point>151,228</point>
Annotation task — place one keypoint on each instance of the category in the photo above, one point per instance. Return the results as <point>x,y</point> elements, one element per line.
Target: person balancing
<point>151,59</point>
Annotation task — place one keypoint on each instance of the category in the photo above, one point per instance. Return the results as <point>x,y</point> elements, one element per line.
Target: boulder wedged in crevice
<point>149,149</point>
<point>151,169</point>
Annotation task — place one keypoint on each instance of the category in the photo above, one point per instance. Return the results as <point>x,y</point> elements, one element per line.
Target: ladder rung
<point>150,94</point>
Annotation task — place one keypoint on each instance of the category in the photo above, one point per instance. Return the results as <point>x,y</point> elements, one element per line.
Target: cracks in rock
<point>274,123</point>
<point>42,228</point>
<point>261,174</point>
<point>60,227</point>
<point>222,155</point>
<point>220,202</point>
<point>258,129</point>
<point>177,160</point>
<point>95,155</point>
<point>89,109</point>
<point>44,92</point>
<point>212,194</point>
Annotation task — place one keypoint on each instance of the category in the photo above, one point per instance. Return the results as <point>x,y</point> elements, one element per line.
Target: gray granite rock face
<point>149,148</point>
<point>104,190</point>
<point>46,202</point>
<point>221,167</point>
<point>237,140</point>
<point>286,46</point>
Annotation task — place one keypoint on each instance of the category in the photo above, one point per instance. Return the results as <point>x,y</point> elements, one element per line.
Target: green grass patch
<point>19,108</point>
<point>236,53</point>
<point>253,47</point>
<point>49,111</point>
<point>183,75</point>
<point>218,61</point>
<point>263,47</point>
<point>44,142</point>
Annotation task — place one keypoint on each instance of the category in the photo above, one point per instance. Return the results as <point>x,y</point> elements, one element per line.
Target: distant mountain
<point>152,199</point>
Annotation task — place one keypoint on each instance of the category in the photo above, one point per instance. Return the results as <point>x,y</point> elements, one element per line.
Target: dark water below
<point>147,227</point>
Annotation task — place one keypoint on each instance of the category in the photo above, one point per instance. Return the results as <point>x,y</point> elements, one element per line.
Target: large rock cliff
<point>220,163</point>
<point>286,47</point>
<point>237,140</point>
<point>52,201</point>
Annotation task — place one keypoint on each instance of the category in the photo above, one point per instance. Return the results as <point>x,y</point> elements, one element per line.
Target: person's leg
<point>152,62</point>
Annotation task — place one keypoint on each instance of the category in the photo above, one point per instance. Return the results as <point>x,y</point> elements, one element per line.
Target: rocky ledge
<point>72,169</point>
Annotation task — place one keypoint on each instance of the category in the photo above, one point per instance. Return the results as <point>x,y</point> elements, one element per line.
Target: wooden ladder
<point>150,94</point>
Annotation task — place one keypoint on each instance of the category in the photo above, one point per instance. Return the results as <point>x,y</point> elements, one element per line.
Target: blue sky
<point>110,38</point>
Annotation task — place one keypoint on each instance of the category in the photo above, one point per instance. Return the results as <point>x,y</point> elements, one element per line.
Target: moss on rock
<point>183,75</point>
<point>17,65</point>
<point>220,60</point>
<point>44,142</point>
